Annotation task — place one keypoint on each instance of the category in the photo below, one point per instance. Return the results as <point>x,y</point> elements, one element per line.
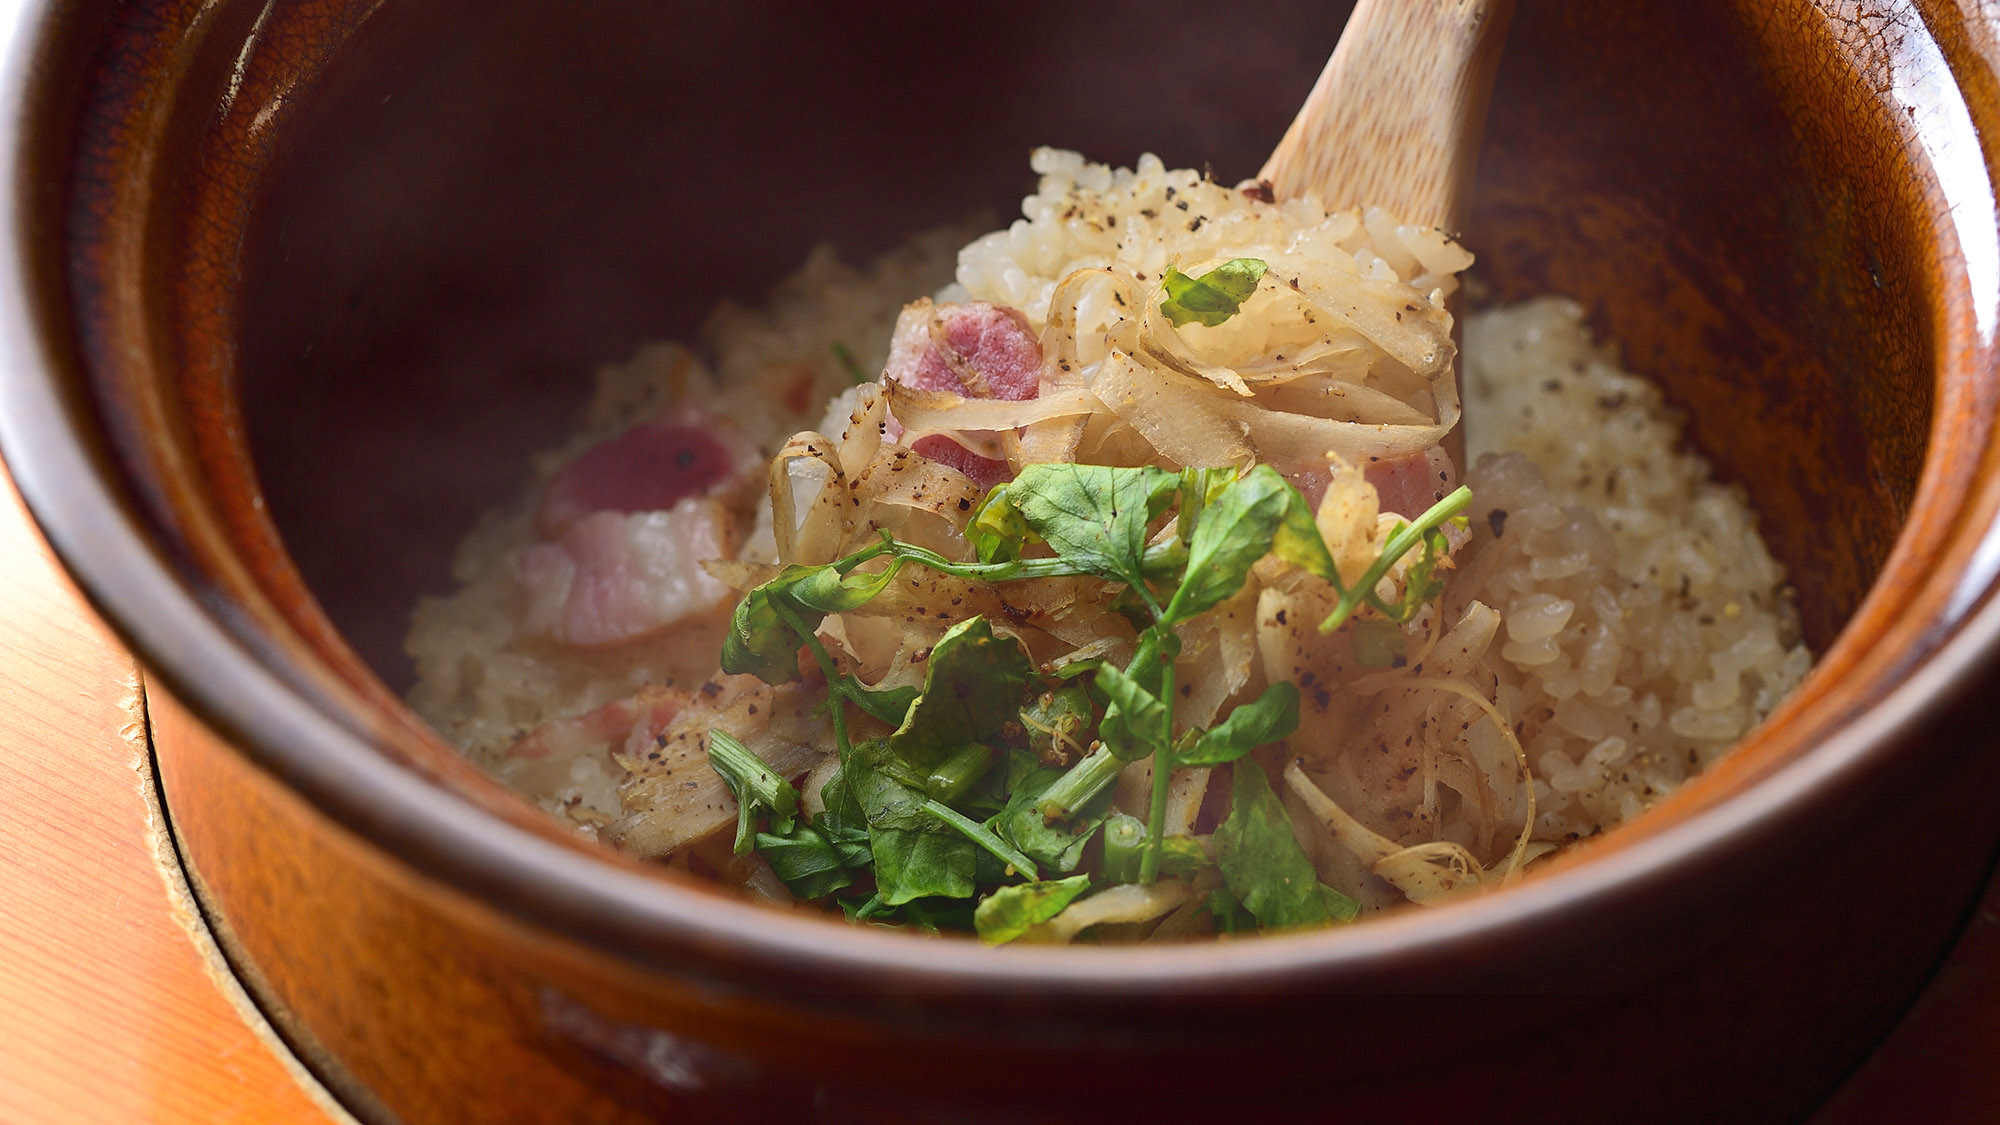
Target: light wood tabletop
<point>114,1006</point>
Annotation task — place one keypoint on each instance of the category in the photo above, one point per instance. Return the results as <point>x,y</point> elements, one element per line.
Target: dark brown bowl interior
<point>309,281</point>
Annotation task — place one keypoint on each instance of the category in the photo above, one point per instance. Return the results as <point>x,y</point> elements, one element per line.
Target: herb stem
<point>1156,813</point>
<point>953,776</point>
<point>1399,544</point>
<point>984,837</point>
<point>1124,848</point>
<point>1160,561</point>
<point>836,698</point>
<point>1083,781</point>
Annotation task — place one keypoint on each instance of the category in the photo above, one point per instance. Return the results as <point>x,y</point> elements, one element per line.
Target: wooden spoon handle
<point>1396,115</point>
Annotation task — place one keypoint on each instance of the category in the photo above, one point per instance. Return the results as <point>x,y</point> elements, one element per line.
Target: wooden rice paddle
<point>1395,118</point>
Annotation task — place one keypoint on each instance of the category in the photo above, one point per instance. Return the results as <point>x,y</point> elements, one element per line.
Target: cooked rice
<point>1643,627</point>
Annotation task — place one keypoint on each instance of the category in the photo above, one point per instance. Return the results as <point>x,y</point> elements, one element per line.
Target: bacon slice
<point>1407,486</point>
<point>984,471</point>
<point>613,576</point>
<point>977,350</point>
<point>648,468</point>
<point>974,349</point>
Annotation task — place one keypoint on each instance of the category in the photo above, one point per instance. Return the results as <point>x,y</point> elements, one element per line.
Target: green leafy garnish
<point>1094,517</point>
<point>809,862</point>
<point>976,684</point>
<point>1234,531</point>
<point>996,530</point>
<point>1056,842</point>
<point>754,785</point>
<point>1125,844</point>
<point>1214,296</point>
<point>1423,584</point>
<point>1271,717</point>
<point>926,828</point>
<point>1012,911</point>
<point>1262,863</point>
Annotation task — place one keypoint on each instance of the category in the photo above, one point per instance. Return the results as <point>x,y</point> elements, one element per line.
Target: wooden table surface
<point>114,1006</point>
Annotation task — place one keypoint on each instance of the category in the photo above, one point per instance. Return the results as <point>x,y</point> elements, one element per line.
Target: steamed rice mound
<point>1614,611</point>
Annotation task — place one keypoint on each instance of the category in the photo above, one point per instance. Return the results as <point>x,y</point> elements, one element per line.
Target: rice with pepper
<point>1629,621</point>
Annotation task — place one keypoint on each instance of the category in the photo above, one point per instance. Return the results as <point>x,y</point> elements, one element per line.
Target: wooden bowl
<point>294,287</point>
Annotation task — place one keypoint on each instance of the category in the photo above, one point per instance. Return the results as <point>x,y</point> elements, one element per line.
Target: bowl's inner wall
<point>481,203</point>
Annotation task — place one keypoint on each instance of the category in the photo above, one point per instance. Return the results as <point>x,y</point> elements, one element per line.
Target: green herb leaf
<point>885,801</point>
<point>1012,911</point>
<point>1270,717</point>
<point>1056,722</point>
<point>1094,517</point>
<point>1340,906</point>
<point>757,787</point>
<point>1133,723</point>
<point>996,530</point>
<point>1214,296</point>
<point>1199,488</point>
<point>915,854</point>
<point>973,687</point>
<point>824,589</point>
<point>1228,913</point>
<point>1297,541</point>
<point>808,863</point>
<point>1262,863</point>
<point>911,864</point>
<point>761,641</point>
<point>1234,531</point>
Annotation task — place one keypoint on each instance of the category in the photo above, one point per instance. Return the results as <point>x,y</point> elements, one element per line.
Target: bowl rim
<point>445,839</point>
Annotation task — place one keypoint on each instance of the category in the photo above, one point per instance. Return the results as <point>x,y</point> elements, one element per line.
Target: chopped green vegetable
<point>1094,517</point>
<point>974,686</point>
<point>1125,845</point>
<point>950,779</point>
<point>927,812</point>
<point>1261,861</point>
<point>1012,911</point>
<point>808,863</point>
<point>1214,296</point>
<point>755,786</point>
<point>1269,718</point>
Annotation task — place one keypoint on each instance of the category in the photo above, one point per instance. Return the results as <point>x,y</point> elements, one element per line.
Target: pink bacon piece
<point>612,577</point>
<point>979,351</point>
<point>975,349</point>
<point>648,468</point>
<point>1406,486</point>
